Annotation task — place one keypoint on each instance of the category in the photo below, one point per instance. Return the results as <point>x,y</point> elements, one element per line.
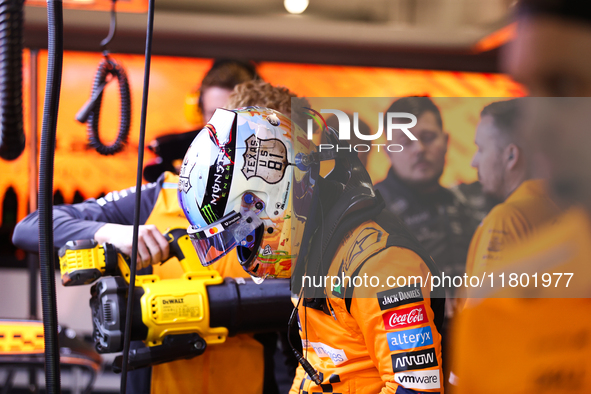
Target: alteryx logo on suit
<point>408,339</point>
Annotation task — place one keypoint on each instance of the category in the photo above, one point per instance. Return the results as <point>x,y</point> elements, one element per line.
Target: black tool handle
<point>174,347</point>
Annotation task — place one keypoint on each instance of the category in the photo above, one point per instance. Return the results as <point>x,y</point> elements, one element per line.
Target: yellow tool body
<point>180,306</point>
<point>176,318</point>
<point>168,307</point>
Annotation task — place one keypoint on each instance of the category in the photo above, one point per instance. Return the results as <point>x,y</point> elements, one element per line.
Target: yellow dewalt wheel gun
<point>176,318</point>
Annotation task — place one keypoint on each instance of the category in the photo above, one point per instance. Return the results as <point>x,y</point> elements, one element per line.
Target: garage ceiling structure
<point>431,34</point>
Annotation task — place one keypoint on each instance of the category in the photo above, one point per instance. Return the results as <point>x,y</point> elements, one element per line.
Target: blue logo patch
<point>408,339</point>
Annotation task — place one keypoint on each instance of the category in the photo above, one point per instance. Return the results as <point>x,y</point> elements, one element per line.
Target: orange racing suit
<point>374,339</point>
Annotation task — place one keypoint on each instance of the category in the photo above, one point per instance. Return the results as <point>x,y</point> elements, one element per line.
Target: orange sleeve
<point>397,324</point>
<point>297,381</point>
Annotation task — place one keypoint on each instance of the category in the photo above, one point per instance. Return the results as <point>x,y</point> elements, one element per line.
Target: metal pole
<point>33,260</point>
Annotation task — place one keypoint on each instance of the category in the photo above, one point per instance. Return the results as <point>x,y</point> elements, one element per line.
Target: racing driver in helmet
<point>250,185</point>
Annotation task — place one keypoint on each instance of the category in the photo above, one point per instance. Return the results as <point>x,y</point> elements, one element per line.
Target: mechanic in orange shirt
<point>512,344</point>
<point>541,342</point>
<point>505,173</point>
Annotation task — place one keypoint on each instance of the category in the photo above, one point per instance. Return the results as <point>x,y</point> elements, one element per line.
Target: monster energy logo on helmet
<point>208,214</point>
<point>218,183</point>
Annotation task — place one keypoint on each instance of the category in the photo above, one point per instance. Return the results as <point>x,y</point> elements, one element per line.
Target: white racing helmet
<point>235,189</point>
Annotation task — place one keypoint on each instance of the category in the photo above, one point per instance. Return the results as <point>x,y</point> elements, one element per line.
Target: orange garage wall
<point>77,168</point>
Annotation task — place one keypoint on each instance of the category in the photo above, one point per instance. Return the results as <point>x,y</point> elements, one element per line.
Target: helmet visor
<point>218,239</point>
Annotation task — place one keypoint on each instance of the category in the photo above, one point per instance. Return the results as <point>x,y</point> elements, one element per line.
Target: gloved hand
<point>152,245</point>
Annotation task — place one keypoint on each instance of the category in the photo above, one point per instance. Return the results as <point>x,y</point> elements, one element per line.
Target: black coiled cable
<point>12,136</point>
<point>93,109</point>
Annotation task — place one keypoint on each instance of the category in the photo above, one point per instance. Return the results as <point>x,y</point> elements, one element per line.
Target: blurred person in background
<point>245,362</point>
<point>439,220</point>
<point>542,344</point>
<point>214,92</point>
<point>504,170</point>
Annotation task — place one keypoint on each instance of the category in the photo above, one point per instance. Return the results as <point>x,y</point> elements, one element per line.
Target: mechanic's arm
<point>397,324</point>
<point>108,219</point>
